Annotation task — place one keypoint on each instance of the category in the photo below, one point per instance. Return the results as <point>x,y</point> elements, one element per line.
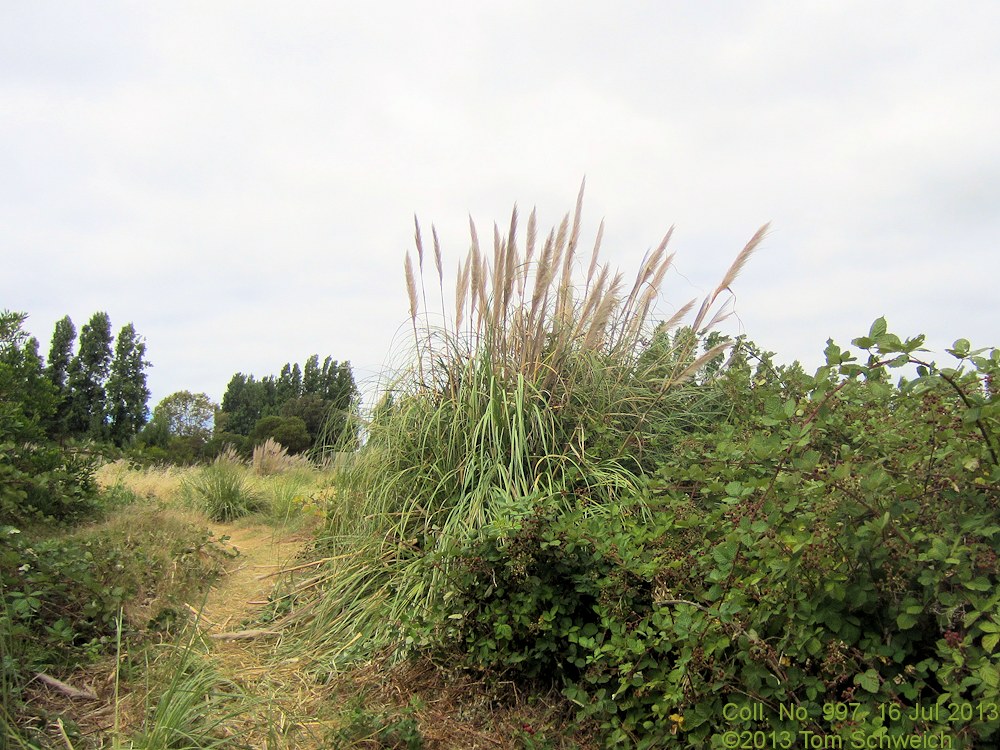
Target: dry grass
<point>270,457</point>
<point>160,482</point>
<point>456,710</point>
<point>263,701</point>
<point>164,557</point>
<point>284,702</point>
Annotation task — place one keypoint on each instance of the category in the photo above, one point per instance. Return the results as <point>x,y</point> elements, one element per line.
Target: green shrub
<point>393,729</point>
<point>837,546</point>
<point>222,440</point>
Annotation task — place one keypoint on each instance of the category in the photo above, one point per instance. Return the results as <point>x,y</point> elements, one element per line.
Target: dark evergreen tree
<point>311,409</point>
<point>342,427</point>
<point>265,428</point>
<point>311,376</point>
<point>242,404</point>
<point>57,371</point>
<point>289,385</point>
<point>342,388</point>
<point>88,372</point>
<point>269,394</point>
<point>292,435</point>
<point>127,394</point>
<point>312,393</point>
<point>61,352</point>
<point>290,432</point>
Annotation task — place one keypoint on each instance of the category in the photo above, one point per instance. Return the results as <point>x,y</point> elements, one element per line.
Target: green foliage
<point>180,451</point>
<point>380,730</point>
<point>127,393</point>
<point>180,430</point>
<point>540,393</point>
<point>834,542</point>
<point>319,394</point>
<point>265,427</point>
<point>225,491</point>
<point>221,440</point>
<point>97,397</point>
<point>243,403</point>
<point>290,432</point>
<point>186,414</point>
<point>27,397</point>
<point>87,374</point>
<point>312,409</point>
<point>38,479</point>
<point>57,370</point>
<point>155,445</point>
<point>61,352</point>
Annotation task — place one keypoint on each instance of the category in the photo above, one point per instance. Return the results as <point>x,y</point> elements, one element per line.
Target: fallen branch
<point>243,635</point>
<point>68,690</point>
<point>198,614</point>
<point>312,564</point>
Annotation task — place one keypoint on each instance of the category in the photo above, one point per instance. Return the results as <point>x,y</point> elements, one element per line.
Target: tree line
<point>99,390</point>
<point>90,393</point>
<point>92,387</point>
<point>299,407</point>
<point>302,407</point>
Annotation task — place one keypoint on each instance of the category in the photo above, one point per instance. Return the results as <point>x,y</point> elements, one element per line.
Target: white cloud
<point>240,178</point>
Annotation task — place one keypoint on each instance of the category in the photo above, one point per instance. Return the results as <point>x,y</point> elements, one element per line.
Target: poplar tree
<point>88,372</point>
<point>127,394</point>
<point>61,352</point>
<point>243,404</point>
<point>57,370</point>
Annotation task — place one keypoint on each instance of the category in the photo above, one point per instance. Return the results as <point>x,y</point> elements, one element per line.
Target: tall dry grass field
<point>156,482</point>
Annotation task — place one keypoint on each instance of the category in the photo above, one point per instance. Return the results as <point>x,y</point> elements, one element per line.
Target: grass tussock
<point>270,458</point>
<point>169,695</point>
<point>193,710</point>
<point>541,385</point>
<point>225,491</point>
<point>291,498</point>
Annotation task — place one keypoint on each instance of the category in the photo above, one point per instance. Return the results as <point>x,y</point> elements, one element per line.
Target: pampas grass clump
<point>541,385</point>
<point>270,457</point>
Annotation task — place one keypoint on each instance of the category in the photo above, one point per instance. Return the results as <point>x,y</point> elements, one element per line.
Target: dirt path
<point>243,591</point>
<point>283,700</point>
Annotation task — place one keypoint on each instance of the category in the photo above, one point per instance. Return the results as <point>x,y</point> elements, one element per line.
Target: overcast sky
<point>239,179</point>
